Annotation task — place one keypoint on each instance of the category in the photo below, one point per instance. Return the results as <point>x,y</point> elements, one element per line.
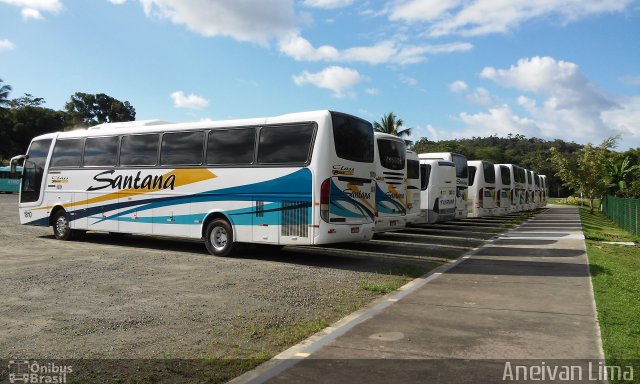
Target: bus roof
<point>148,126</point>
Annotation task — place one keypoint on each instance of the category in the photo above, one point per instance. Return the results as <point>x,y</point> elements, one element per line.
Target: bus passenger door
<point>266,221</point>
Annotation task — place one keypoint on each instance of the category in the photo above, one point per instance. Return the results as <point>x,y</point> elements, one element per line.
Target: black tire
<point>61,228</point>
<point>218,237</point>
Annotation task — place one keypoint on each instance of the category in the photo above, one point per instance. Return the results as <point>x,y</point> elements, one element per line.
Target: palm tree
<point>391,124</point>
<point>4,95</point>
<point>620,173</point>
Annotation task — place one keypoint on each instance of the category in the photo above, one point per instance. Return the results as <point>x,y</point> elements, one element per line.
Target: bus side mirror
<point>15,160</point>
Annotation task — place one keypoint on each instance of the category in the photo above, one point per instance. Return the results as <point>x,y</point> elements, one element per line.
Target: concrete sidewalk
<point>525,296</point>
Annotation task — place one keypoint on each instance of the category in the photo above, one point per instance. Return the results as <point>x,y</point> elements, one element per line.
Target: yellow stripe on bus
<point>183,177</point>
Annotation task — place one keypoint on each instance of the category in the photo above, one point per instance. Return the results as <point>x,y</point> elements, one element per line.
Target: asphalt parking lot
<point>135,297</point>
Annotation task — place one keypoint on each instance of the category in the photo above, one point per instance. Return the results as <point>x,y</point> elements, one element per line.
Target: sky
<point>567,69</point>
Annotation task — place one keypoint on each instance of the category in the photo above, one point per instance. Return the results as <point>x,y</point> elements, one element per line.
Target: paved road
<point>524,299</point>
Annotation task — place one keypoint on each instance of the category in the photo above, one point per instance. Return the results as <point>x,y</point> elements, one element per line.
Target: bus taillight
<point>481,198</point>
<point>325,196</point>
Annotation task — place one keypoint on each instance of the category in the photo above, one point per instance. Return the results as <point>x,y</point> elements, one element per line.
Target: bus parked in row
<point>390,153</point>
<point>413,187</point>
<point>482,188</point>
<point>10,182</point>
<point>545,190</point>
<point>462,181</point>
<point>302,178</point>
<point>504,190</point>
<point>438,191</point>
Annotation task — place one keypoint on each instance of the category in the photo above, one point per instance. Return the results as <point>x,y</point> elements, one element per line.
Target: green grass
<point>395,279</point>
<point>615,274</point>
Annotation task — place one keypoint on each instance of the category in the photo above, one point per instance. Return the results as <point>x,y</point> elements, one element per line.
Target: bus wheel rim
<point>62,225</point>
<point>219,238</point>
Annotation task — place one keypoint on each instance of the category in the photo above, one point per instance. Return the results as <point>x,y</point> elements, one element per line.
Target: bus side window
<point>182,148</point>
<point>67,153</point>
<point>101,151</point>
<point>285,144</point>
<point>231,146</point>
<point>139,149</point>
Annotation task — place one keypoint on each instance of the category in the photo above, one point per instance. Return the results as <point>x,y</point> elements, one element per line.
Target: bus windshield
<point>353,138</point>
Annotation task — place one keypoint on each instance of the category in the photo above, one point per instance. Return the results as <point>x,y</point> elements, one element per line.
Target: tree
<point>586,172</point>
<point>621,174</point>
<point>391,124</point>
<point>86,109</point>
<point>5,90</point>
<point>26,101</point>
<point>29,122</point>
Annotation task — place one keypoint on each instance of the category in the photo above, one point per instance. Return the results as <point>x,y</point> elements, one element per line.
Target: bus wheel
<point>61,228</point>
<point>219,237</point>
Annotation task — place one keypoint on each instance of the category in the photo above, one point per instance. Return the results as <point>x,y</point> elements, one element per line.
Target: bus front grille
<point>295,218</point>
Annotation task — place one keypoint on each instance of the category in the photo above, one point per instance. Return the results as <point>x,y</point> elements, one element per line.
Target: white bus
<point>533,190</point>
<point>462,180</point>
<point>438,197</point>
<point>517,187</point>
<point>504,190</point>
<point>545,189</point>
<point>303,178</point>
<point>482,188</point>
<point>520,177</point>
<point>391,172</point>
<point>413,188</point>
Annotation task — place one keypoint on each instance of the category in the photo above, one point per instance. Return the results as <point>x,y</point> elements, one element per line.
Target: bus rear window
<point>461,165</point>
<point>472,175</point>
<point>353,138</point>
<point>489,172</point>
<point>413,169</point>
<point>392,154</point>
<point>425,174</point>
<point>505,174</point>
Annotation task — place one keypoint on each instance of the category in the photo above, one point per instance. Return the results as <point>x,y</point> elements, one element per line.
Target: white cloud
<point>557,101</point>
<point>472,18</point>
<point>458,86</point>
<point>499,120</point>
<point>299,48</point>
<point>6,45</point>
<point>480,96</point>
<point>33,9</point>
<point>626,120</point>
<point>372,91</point>
<point>327,4</point>
<point>410,81</point>
<point>414,10</point>
<point>243,20</point>
<point>30,13</point>
<point>336,79</point>
<point>117,2</point>
<point>191,101</point>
